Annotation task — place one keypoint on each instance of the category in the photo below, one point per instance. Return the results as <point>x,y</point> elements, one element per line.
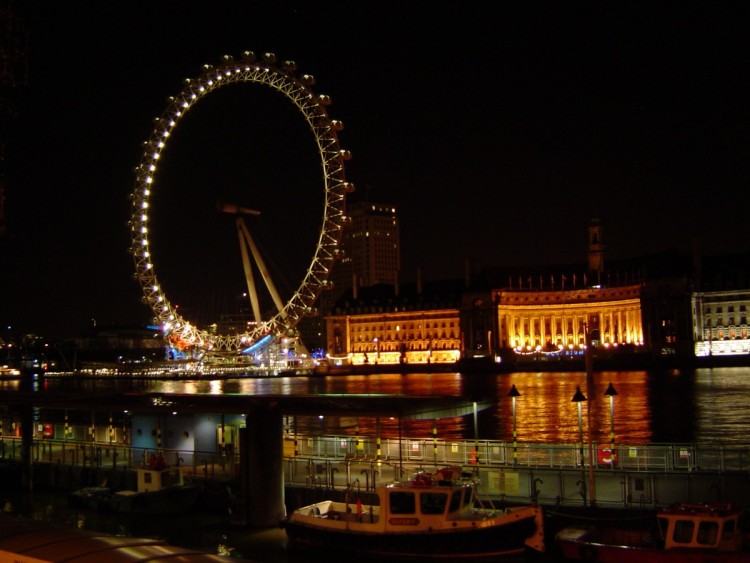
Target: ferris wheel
<point>281,77</point>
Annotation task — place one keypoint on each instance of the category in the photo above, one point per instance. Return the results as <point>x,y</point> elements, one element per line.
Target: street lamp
<point>579,398</point>
<point>513,393</point>
<point>611,392</point>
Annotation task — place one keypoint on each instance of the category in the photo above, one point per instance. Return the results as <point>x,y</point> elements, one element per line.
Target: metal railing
<point>103,455</point>
<point>638,476</point>
<point>637,457</point>
<point>412,452</point>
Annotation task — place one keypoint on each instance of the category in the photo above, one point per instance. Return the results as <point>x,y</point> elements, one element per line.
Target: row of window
<point>730,309</point>
<point>720,322</point>
<point>402,336</point>
<point>406,326</point>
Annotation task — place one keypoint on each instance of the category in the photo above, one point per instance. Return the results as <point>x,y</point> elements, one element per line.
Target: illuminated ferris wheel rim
<point>280,77</point>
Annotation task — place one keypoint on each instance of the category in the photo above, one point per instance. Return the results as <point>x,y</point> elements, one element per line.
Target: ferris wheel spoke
<point>250,280</point>
<point>261,265</point>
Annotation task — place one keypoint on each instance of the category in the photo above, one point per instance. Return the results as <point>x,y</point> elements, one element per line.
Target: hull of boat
<point>90,497</point>
<point>579,550</point>
<point>170,500</point>
<point>574,551</point>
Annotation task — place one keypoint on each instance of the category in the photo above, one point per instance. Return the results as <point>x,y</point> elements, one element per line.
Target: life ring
<point>587,553</point>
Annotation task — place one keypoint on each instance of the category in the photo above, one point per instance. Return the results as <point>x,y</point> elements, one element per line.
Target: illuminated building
<point>643,309</point>
<point>388,325</point>
<point>371,247</point>
<point>557,322</point>
<point>720,326</point>
<point>719,309</point>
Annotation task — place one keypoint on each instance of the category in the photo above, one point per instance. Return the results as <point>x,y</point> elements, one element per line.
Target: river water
<point>707,405</point>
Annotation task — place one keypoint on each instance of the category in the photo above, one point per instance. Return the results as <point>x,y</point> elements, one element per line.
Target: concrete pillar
<point>26,413</point>
<point>262,452</point>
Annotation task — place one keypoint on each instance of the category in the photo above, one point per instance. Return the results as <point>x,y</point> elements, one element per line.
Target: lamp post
<point>513,393</point>
<point>579,398</point>
<point>611,392</point>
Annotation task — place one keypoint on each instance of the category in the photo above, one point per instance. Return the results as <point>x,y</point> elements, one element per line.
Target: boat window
<point>707,533</point>
<point>432,503</point>
<point>683,531</point>
<point>402,503</point>
<point>455,501</point>
<point>728,532</point>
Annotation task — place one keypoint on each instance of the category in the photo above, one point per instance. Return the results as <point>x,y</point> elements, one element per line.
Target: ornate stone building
<point>559,321</point>
<point>720,308</point>
<point>720,323</point>
<point>394,325</point>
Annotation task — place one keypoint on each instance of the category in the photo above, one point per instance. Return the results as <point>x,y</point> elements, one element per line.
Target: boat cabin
<point>716,526</point>
<point>150,480</point>
<point>424,498</point>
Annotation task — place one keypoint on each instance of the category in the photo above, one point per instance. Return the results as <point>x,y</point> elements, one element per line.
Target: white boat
<point>434,516</point>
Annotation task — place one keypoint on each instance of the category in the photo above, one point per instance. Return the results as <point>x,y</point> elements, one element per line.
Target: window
<point>707,533</point>
<point>728,532</point>
<point>432,503</point>
<point>402,503</point>
<point>683,531</point>
<point>455,501</point>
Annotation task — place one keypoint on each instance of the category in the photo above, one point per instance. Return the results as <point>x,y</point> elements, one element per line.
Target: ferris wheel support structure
<point>283,78</point>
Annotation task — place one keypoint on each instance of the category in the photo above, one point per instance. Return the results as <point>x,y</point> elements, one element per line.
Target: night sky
<point>497,129</point>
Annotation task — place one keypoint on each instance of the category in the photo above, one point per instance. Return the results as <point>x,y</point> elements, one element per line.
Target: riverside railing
<point>667,458</point>
<point>628,457</point>
<point>102,455</point>
<point>637,476</point>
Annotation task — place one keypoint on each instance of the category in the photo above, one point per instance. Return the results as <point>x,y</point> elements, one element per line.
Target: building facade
<point>390,325</point>
<point>371,247</point>
<point>555,322</point>
<point>660,305</point>
<point>720,323</point>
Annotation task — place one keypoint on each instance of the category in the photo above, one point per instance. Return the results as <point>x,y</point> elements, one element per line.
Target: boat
<point>91,497</point>
<point>161,490</point>
<point>434,516</point>
<point>683,532</point>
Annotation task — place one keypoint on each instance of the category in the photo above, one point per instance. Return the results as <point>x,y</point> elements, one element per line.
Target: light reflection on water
<point>703,405</point>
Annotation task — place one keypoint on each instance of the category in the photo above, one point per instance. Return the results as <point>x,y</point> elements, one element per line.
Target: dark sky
<point>498,130</point>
